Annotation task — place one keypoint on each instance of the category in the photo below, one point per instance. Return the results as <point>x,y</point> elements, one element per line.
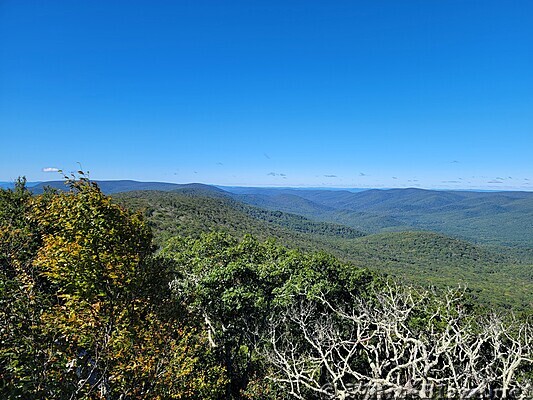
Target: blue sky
<point>435,94</point>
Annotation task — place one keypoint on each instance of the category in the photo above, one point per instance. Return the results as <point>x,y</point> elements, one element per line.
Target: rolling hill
<point>185,212</point>
<point>497,218</point>
<point>492,218</point>
<point>496,276</point>
<point>426,258</point>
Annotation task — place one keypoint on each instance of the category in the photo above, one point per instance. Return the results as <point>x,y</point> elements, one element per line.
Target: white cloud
<point>50,169</point>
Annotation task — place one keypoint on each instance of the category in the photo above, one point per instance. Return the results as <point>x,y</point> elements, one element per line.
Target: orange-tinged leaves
<point>97,257</point>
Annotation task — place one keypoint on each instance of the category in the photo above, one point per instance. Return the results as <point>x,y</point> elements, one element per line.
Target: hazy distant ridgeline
<point>499,218</point>
<point>11,184</point>
<point>110,187</point>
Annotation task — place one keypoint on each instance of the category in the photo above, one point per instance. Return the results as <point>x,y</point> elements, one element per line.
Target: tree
<point>235,286</point>
<point>24,296</point>
<point>111,328</point>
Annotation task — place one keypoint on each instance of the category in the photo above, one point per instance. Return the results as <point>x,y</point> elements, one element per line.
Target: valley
<point>494,274</point>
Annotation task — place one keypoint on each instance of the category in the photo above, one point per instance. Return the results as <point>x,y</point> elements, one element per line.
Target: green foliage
<point>23,298</point>
<point>236,285</point>
<point>89,312</point>
<point>429,259</point>
<point>92,248</point>
<point>19,237</point>
<point>246,291</point>
<point>188,214</point>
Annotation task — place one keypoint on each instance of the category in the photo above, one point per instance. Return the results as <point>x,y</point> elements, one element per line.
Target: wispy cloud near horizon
<point>50,169</point>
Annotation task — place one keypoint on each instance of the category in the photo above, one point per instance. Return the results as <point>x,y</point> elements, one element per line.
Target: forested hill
<point>495,218</point>
<point>498,218</point>
<point>503,279</point>
<point>500,277</point>
<point>190,212</point>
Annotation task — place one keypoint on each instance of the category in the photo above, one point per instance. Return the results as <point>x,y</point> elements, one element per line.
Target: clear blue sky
<point>434,94</point>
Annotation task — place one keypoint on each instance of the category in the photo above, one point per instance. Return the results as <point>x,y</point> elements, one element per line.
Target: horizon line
<point>302,187</point>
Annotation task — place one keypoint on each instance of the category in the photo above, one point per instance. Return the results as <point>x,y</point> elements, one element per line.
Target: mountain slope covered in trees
<point>498,218</point>
<point>190,213</point>
<point>494,276</point>
<point>499,274</point>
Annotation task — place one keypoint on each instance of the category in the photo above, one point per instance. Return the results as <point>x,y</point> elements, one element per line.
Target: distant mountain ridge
<point>500,218</point>
<point>497,218</point>
<point>112,187</point>
<point>11,184</point>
